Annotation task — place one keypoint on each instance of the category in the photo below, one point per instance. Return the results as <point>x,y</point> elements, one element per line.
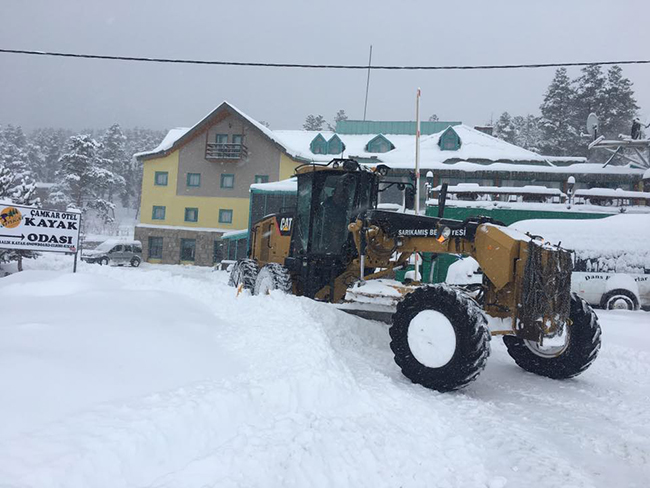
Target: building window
<point>335,145</point>
<point>191,214</point>
<point>158,213</point>
<point>161,178</point>
<point>194,179</point>
<point>188,249</point>
<point>155,247</point>
<point>261,178</point>
<point>221,139</point>
<point>318,145</point>
<point>379,144</point>
<point>225,216</point>
<point>227,181</point>
<point>237,139</point>
<point>449,140</point>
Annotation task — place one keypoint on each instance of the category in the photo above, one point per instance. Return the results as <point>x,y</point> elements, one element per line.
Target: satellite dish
<point>592,125</point>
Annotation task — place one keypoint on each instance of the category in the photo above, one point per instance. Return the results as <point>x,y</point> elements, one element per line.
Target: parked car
<point>116,252</point>
<point>613,291</point>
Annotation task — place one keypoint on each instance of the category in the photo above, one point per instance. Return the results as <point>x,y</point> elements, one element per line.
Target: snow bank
<point>315,398</point>
<point>70,341</point>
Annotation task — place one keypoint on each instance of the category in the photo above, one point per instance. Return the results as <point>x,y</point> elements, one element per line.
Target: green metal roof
<point>390,127</point>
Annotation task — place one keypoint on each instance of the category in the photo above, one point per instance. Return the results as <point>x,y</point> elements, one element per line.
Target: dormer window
<point>379,144</point>
<point>335,145</point>
<point>318,145</point>
<point>449,140</point>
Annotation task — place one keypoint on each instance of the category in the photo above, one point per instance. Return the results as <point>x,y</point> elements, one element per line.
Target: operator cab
<point>329,198</point>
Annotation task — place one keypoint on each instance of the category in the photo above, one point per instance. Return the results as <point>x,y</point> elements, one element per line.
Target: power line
<point>318,66</point>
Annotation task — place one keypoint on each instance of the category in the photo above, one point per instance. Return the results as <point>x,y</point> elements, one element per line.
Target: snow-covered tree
<point>113,152</point>
<point>18,189</point>
<point>505,128</point>
<point>314,122</point>
<point>84,178</point>
<point>433,118</point>
<point>527,132</point>
<point>621,106</point>
<point>560,137</point>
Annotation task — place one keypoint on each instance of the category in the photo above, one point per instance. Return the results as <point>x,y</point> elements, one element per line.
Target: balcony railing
<point>225,151</point>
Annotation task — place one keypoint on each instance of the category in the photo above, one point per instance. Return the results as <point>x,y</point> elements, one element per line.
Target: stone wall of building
<point>171,252</point>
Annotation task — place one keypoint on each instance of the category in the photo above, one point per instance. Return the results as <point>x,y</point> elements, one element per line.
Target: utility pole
<point>417,172</point>
<point>365,105</point>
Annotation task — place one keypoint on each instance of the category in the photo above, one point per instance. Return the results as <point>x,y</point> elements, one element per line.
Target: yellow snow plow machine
<point>337,246</point>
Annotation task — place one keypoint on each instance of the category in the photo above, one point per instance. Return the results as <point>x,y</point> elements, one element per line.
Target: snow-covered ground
<point>161,377</point>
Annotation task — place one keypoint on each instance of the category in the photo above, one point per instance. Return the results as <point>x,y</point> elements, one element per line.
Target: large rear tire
<point>566,360</point>
<point>440,338</point>
<point>272,276</point>
<point>243,273</point>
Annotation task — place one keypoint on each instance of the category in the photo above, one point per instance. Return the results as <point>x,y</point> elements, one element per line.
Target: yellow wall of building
<point>175,205</point>
<point>287,166</point>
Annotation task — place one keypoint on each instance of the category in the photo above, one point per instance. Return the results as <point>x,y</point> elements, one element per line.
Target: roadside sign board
<point>38,229</point>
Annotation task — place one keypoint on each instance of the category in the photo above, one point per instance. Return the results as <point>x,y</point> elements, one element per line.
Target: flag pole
<point>417,173</point>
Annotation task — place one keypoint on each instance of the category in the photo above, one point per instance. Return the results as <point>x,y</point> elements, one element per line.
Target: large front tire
<point>243,273</point>
<point>565,361</point>
<point>440,338</point>
<point>273,276</point>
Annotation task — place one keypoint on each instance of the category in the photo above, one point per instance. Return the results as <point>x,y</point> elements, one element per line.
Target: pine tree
<point>84,179</point>
<point>590,97</point>
<point>314,122</point>
<point>527,132</point>
<point>505,128</point>
<point>18,189</point>
<point>621,106</point>
<point>560,136</point>
<point>113,153</point>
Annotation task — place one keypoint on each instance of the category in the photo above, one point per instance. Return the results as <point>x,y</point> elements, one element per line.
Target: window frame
<point>161,173</point>
<point>182,247</point>
<point>241,139</point>
<point>150,247</point>
<point>224,211</point>
<point>188,178</point>
<point>196,213</point>
<point>263,178</point>
<point>153,212</point>
<point>217,136</point>
<point>223,176</point>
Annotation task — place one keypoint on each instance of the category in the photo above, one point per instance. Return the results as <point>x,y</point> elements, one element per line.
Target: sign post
<point>36,229</point>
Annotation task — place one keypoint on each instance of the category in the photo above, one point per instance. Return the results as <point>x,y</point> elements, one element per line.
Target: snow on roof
<point>571,169</point>
<point>355,144</point>
<point>168,141</point>
<point>476,188</point>
<point>289,185</point>
<point>233,234</point>
<point>175,135</point>
<point>475,145</point>
<point>610,192</point>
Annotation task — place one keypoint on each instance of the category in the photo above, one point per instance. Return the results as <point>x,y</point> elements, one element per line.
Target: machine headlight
<point>444,235</point>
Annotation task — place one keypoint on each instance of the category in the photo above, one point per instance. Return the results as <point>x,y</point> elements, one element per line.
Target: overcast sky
<point>76,94</point>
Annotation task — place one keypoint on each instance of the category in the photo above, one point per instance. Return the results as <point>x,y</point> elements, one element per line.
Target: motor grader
<point>337,246</point>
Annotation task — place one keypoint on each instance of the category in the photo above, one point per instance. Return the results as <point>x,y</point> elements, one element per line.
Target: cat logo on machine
<point>285,224</point>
